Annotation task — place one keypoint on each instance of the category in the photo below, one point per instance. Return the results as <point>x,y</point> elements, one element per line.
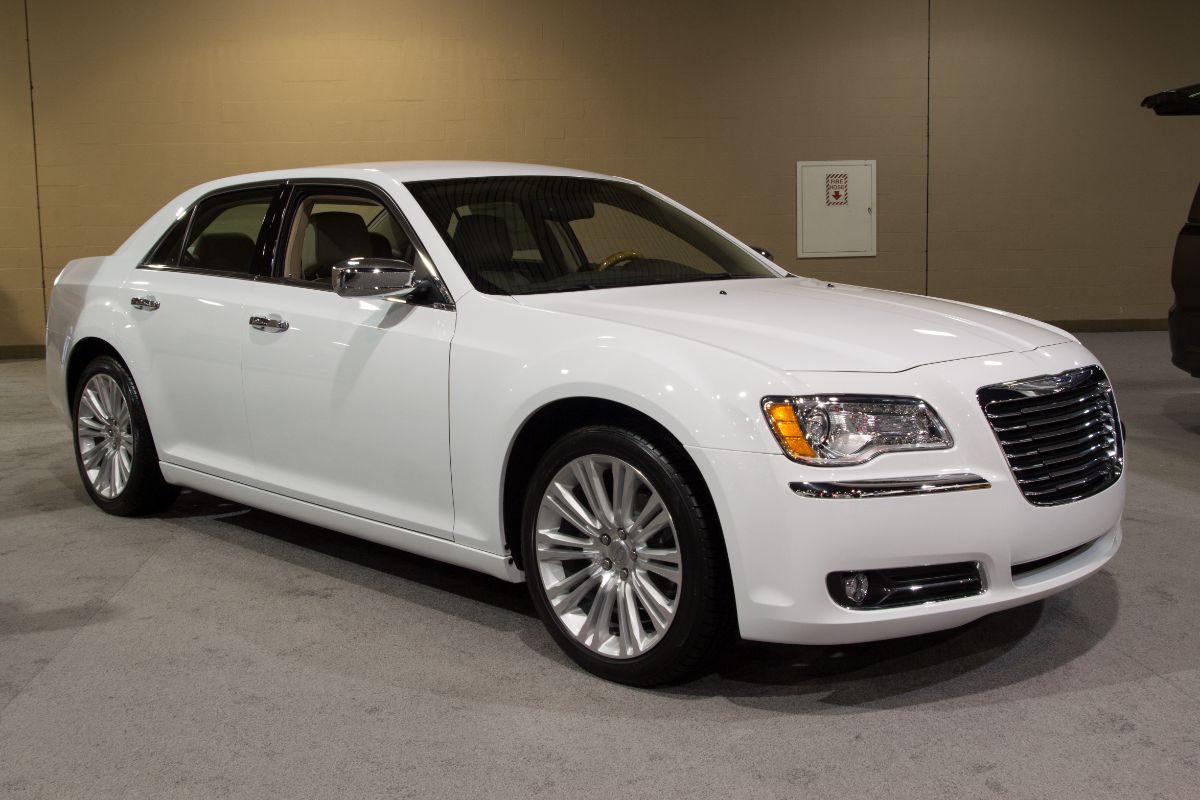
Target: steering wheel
<point>617,258</point>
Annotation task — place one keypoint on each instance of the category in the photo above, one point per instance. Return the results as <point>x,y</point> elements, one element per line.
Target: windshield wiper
<point>586,286</point>
<point>575,288</point>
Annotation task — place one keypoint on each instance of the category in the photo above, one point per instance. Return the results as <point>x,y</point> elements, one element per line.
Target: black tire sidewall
<point>700,597</point>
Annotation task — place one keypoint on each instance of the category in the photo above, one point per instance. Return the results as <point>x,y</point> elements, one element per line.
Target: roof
<point>434,170</point>
<point>402,172</point>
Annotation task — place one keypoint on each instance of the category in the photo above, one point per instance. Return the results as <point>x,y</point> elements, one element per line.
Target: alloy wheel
<point>104,429</point>
<point>608,556</point>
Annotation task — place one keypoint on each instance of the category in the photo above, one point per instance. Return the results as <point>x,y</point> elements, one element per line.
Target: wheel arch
<point>83,353</point>
<point>559,417</point>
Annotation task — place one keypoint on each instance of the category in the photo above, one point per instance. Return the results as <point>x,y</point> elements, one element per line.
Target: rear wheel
<point>114,450</point>
<point>622,559</point>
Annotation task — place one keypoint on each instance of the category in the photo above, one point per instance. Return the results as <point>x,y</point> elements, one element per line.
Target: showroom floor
<point>220,651</point>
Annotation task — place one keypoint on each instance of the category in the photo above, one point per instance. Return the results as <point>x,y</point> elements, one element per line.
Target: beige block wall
<point>710,102</point>
<point>1051,192</point>
<point>20,256</point>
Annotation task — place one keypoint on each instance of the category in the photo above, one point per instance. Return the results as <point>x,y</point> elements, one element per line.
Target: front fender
<point>508,361</point>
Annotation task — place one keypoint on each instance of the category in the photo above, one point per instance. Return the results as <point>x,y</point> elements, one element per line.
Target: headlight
<point>836,430</point>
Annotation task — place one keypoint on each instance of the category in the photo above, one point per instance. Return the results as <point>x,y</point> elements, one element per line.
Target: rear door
<point>187,307</point>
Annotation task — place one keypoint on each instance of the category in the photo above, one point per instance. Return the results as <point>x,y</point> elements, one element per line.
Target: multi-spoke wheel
<point>113,447</point>
<point>608,556</point>
<point>104,435</point>
<point>621,558</point>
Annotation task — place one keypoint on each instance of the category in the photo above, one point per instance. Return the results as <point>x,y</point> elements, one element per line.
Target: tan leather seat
<point>339,235</point>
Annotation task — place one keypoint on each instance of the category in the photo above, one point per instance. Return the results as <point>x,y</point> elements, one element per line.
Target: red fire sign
<point>837,187</point>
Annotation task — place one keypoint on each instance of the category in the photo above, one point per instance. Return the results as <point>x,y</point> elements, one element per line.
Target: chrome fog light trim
<point>890,487</point>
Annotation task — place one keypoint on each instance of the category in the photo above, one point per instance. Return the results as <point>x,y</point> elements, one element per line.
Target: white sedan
<point>568,379</point>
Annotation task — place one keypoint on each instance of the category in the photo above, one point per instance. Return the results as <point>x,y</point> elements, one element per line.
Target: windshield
<point>526,235</point>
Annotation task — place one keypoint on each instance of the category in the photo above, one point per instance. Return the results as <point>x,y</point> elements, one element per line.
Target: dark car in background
<point>1183,320</point>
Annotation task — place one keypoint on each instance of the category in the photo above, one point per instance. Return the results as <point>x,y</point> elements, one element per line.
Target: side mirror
<point>374,277</point>
<point>763,252</point>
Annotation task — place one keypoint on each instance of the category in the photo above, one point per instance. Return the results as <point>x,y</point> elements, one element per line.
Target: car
<point>568,379</point>
<point>1183,319</point>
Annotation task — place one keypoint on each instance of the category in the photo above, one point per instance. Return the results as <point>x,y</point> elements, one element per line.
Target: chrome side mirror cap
<point>374,277</point>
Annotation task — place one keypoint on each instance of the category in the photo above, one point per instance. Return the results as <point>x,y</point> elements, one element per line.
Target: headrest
<point>340,235</point>
<point>482,242</point>
<point>228,252</point>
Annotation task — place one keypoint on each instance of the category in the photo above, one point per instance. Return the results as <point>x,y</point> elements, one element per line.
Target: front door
<point>346,398</point>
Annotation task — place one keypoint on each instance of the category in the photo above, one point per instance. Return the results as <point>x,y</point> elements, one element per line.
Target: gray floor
<point>222,651</point>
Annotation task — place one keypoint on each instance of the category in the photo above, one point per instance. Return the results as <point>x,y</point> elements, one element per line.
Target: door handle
<point>147,303</point>
<point>269,324</point>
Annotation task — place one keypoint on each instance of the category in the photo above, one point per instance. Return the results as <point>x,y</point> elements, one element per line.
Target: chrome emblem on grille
<point>1049,384</point>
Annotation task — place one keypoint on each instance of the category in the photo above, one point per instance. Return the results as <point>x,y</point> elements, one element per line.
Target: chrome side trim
<point>890,487</point>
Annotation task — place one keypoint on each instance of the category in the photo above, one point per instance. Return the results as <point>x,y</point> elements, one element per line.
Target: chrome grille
<point>1060,433</point>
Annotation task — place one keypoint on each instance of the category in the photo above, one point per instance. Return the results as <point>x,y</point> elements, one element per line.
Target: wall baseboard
<point>1098,325</point>
<point>22,351</point>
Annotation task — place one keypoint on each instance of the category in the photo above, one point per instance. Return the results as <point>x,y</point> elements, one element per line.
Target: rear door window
<point>226,231</point>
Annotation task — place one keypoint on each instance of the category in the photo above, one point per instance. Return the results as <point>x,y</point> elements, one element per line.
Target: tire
<point>114,451</point>
<point>627,596</point>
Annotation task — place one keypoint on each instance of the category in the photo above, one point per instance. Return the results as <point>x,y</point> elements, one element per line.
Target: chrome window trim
<point>375,190</point>
<point>890,487</point>
<point>240,276</point>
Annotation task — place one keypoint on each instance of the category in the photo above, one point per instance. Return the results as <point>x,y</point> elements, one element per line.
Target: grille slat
<point>1071,486</point>
<point>1086,412</point>
<point>1044,435</point>
<point>1089,448</point>
<point>1060,434</point>
<point>1063,472</point>
<point>1086,397</point>
<point>1061,445</point>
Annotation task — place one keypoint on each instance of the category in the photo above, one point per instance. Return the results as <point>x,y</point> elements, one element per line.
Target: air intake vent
<point>1027,567</point>
<point>1060,434</point>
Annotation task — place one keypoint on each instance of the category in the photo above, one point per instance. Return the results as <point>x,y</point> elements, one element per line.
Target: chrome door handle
<point>146,303</point>
<point>268,324</point>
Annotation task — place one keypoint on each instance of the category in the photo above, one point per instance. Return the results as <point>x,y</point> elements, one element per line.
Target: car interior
<point>328,229</point>
<point>523,235</point>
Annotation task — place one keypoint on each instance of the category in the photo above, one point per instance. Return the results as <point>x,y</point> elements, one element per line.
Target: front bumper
<point>782,545</point>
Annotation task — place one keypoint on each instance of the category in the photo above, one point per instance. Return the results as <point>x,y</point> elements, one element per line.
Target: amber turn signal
<point>782,416</point>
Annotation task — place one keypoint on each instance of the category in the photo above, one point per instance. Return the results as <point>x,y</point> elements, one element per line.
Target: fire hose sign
<point>837,186</point>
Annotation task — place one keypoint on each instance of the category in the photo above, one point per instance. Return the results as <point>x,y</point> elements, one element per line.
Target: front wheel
<point>622,557</point>
<point>114,450</point>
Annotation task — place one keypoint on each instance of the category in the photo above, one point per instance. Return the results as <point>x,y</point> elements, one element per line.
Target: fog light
<point>856,587</point>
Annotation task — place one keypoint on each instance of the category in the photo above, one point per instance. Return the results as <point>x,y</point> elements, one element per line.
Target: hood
<point>806,325</point>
